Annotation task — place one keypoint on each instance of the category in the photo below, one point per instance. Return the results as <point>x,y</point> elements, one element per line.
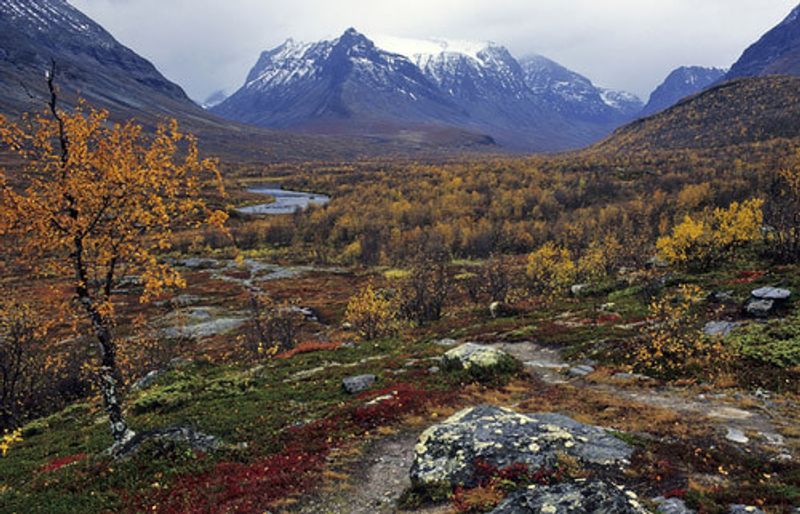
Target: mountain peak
<point>680,83</point>
<point>352,37</point>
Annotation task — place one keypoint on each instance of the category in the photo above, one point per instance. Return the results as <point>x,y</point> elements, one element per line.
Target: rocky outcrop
<point>594,497</point>
<point>197,441</point>
<point>446,454</point>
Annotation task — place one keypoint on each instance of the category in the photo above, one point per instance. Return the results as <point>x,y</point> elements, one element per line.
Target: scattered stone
<point>593,497</point>
<point>357,384</point>
<point>765,300</point>
<point>719,328</point>
<point>760,308</point>
<point>446,342</point>
<point>581,371</point>
<point>721,297</point>
<point>672,506</point>
<point>306,312</point>
<point>147,380</point>
<point>608,307</point>
<point>736,435</point>
<point>446,454</point>
<point>579,289</point>
<point>745,509</point>
<point>470,355</point>
<point>433,370</point>
<point>347,326</point>
<point>771,293</point>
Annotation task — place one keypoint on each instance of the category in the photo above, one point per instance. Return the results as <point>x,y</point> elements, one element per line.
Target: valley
<point>395,275</point>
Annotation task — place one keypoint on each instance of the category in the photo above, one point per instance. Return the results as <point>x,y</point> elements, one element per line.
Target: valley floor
<point>294,441</point>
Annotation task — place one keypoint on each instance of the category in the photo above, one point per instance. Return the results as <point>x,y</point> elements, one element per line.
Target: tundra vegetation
<point>134,292</point>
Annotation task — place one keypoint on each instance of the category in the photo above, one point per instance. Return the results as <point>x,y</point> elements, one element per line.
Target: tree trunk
<point>108,378</point>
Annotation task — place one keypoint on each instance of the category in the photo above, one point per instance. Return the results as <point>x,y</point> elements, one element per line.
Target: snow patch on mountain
<point>415,49</point>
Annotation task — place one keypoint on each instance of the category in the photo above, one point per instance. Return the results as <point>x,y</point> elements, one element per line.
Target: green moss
<point>776,343</point>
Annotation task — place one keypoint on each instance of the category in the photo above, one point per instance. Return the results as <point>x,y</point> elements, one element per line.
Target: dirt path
<point>376,484</point>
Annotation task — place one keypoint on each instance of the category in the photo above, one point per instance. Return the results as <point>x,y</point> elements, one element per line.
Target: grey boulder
<point>357,384</point>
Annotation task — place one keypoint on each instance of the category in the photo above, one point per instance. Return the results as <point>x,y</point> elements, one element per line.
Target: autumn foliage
<point>96,201</point>
<point>371,314</point>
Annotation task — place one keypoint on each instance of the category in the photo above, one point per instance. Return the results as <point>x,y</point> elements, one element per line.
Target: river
<point>286,201</point>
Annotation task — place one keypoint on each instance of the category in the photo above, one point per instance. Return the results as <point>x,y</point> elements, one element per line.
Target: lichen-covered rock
<point>446,454</point>
<point>471,356</point>
<point>594,497</point>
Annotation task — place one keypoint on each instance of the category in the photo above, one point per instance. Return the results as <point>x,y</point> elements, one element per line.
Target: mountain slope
<point>741,111</point>
<point>574,95</point>
<point>776,53</point>
<point>679,84</point>
<point>90,61</point>
<point>394,86</point>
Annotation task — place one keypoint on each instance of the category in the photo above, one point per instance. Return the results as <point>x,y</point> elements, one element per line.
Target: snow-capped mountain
<point>679,84</point>
<point>91,62</point>
<point>574,95</point>
<point>339,85</point>
<point>776,53</point>
<point>359,85</point>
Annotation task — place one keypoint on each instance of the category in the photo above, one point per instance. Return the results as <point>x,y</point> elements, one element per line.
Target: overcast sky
<point>207,45</point>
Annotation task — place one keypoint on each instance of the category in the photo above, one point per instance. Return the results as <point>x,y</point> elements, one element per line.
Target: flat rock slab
<point>446,454</point>
<point>719,328</point>
<point>736,435</point>
<point>357,384</point>
<point>593,497</point>
<point>771,293</point>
